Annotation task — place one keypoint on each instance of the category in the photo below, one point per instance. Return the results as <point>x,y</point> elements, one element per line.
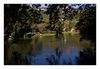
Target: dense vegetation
<point>87,24</point>
<point>22,19</point>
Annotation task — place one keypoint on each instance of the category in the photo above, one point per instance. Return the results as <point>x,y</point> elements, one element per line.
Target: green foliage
<point>56,16</point>
<point>10,17</point>
<point>87,24</point>
<point>69,25</point>
<point>70,13</point>
<point>21,18</point>
<point>36,16</point>
<point>18,19</point>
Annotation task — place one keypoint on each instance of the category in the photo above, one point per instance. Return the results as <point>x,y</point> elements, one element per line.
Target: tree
<point>87,24</point>
<point>10,17</point>
<point>55,12</point>
<point>19,19</point>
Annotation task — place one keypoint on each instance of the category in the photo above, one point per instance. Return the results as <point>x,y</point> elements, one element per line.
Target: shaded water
<point>45,50</point>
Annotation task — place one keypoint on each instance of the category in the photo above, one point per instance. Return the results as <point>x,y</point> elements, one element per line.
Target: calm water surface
<point>46,50</point>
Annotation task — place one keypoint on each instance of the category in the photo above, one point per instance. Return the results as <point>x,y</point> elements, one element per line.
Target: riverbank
<point>52,34</point>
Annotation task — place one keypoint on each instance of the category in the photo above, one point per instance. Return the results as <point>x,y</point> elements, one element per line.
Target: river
<point>46,50</point>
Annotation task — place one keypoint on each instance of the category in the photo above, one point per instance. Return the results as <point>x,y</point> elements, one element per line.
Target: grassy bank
<point>52,34</point>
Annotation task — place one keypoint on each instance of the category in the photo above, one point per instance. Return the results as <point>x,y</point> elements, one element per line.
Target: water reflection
<point>55,57</point>
<point>50,51</point>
